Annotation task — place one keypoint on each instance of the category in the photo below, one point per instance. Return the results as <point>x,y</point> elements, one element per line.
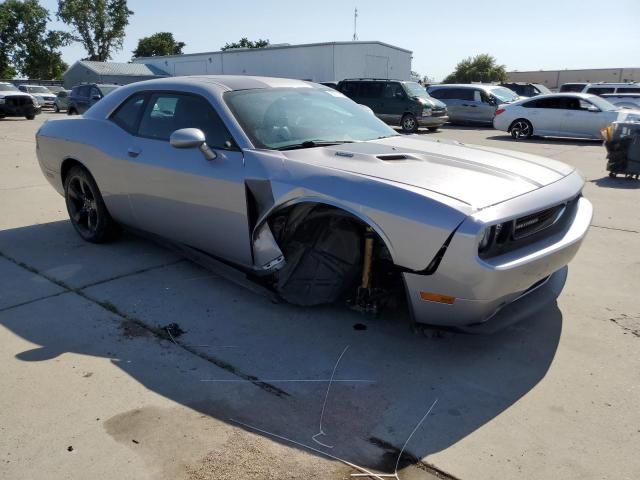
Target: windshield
<point>603,104</point>
<point>107,89</point>
<point>281,118</point>
<point>7,87</point>
<point>416,90</point>
<point>542,89</point>
<point>504,94</point>
<point>38,90</point>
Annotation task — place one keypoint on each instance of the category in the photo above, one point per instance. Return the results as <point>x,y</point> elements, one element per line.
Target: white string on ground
<point>411,435</point>
<point>313,449</point>
<point>326,397</point>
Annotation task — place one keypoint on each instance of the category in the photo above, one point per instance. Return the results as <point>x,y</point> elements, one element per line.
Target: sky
<point>533,35</point>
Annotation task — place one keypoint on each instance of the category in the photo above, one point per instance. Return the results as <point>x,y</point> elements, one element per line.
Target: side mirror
<point>192,138</point>
<point>593,108</point>
<point>399,95</point>
<point>96,97</point>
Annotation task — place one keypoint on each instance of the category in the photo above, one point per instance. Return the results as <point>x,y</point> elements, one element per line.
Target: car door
<point>82,100</point>
<point>451,98</point>
<point>178,193</point>
<point>467,105</point>
<point>586,120</point>
<point>370,94</point>
<point>393,103</point>
<point>485,110</point>
<point>94,96</point>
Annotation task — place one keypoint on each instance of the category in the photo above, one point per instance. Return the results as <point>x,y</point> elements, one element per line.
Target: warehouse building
<point>85,71</point>
<point>318,62</point>
<point>554,78</point>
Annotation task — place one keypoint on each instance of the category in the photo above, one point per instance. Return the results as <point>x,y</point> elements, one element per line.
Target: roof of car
<point>466,85</point>
<point>230,82</point>
<point>564,94</point>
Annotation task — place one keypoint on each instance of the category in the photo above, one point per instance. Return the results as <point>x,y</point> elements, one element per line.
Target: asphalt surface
<point>93,386</point>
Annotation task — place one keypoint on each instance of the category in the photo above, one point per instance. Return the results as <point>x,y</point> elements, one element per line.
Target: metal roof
<point>279,46</point>
<point>121,68</point>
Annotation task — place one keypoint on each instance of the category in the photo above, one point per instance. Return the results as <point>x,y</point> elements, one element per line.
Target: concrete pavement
<point>85,364</point>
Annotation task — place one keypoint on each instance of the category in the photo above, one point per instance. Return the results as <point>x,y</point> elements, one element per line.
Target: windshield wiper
<point>313,143</point>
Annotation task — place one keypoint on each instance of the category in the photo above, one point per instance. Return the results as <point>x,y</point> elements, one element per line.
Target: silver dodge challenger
<point>313,197</point>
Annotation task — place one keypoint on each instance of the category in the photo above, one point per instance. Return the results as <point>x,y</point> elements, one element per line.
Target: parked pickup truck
<point>629,100</point>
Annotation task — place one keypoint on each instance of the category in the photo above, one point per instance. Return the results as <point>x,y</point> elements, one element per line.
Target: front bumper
<point>433,121</point>
<point>8,110</point>
<point>483,289</point>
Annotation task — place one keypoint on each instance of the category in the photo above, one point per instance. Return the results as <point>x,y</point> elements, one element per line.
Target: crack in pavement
<point>616,229</point>
<point>155,331</point>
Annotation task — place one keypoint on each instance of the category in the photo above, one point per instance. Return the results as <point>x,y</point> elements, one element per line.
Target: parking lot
<point>94,382</point>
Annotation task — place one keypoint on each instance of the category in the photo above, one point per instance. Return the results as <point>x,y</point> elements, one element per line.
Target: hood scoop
<point>395,156</point>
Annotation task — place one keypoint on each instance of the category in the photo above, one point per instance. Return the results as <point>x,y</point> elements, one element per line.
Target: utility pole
<point>355,24</point>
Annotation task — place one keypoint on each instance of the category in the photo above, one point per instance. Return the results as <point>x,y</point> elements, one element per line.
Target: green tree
<point>98,24</point>
<point>161,43</point>
<point>481,68</point>
<point>26,46</point>
<point>246,43</point>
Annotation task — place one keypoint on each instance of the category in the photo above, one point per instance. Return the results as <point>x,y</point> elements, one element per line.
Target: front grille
<point>438,113</point>
<point>536,222</point>
<point>18,101</point>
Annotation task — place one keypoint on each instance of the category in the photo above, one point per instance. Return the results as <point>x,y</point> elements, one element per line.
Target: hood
<point>431,102</point>
<point>475,175</point>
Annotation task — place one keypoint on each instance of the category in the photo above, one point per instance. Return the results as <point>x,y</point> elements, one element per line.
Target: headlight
<point>495,236</point>
<point>486,239</point>
<point>426,112</point>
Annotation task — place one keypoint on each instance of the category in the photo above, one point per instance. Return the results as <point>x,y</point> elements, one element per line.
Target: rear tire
<point>71,111</point>
<point>521,128</point>
<point>433,129</point>
<point>55,108</point>
<point>409,123</point>
<point>87,211</point>
<point>30,117</point>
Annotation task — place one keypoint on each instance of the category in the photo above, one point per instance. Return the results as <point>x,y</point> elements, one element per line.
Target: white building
<point>318,62</point>
<point>555,78</point>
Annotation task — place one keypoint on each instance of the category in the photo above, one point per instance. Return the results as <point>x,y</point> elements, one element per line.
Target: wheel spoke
<point>73,192</point>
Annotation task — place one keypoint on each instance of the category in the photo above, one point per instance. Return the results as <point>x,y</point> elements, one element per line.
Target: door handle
<point>133,151</point>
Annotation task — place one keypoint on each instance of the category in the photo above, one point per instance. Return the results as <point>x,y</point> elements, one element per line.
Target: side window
<point>392,89</point>
<point>350,89</point>
<point>439,93</point>
<point>584,105</point>
<point>531,104</point>
<point>167,112</point>
<point>628,90</point>
<point>600,90</point>
<point>83,91</point>
<point>127,114</point>
<point>463,94</point>
<point>546,103</point>
<point>371,89</point>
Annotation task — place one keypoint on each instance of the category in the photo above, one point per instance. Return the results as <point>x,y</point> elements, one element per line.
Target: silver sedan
<point>315,198</point>
<point>575,115</point>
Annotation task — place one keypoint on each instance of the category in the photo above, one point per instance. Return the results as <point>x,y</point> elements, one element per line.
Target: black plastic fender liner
<point>323,260</point>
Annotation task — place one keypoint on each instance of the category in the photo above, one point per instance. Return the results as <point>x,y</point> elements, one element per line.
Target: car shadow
<point>274,375</point>
<point>547,140</point>
<point>619,182</point>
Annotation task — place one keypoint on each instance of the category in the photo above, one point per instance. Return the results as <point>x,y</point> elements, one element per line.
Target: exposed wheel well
<point>319,228</point>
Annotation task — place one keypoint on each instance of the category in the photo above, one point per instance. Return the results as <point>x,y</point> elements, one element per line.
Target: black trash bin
<point>622,140</point>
